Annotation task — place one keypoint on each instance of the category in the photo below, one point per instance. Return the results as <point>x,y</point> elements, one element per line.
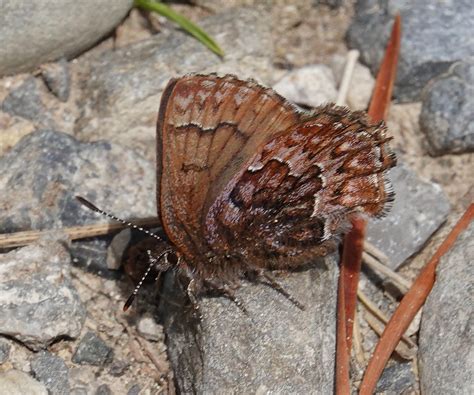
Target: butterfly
<point>249,183</point>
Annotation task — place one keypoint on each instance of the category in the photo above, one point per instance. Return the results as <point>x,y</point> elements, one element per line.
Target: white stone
<point>311,85</point>
<point>15,382</point>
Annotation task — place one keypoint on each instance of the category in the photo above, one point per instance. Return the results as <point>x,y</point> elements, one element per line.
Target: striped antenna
<point>152,263</point>
<point>92,207</point>
<point>153,260</point>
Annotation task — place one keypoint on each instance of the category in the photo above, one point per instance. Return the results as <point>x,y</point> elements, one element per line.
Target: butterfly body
<point>247,182</point>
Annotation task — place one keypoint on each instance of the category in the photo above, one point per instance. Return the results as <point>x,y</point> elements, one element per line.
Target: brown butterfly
<point>247,183</point>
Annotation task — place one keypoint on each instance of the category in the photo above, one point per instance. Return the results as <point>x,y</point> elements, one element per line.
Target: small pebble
<point>92,350</point>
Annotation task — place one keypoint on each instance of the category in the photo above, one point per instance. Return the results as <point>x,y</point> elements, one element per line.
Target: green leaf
<point>184,23</point>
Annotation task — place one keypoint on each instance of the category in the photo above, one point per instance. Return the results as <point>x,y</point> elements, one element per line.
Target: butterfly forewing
<point>208,126</point>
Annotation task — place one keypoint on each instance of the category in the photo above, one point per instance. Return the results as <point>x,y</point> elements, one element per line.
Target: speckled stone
<point>446,341</point>
<point>92,350</point>
<point>447,116</point>
<point>275,347</point>
<point>38,303</point>
<point>434,35</point>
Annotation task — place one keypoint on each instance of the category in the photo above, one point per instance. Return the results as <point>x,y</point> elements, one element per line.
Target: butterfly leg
<point>192,292</point>
<point>228,292</point>
<point>271,281</point>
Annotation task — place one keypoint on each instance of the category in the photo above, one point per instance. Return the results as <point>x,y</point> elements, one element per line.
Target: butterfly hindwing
<point>299,189</point>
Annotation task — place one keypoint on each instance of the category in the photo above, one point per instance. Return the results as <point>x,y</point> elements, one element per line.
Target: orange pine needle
<point>342,385</point>
<point>379,103</point>
<point>354,240</point>
<point>350,273</point>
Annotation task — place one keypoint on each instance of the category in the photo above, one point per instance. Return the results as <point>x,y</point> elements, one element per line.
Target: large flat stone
<point>446,352</point>
<point>34,32</point>
<point>274,348</point>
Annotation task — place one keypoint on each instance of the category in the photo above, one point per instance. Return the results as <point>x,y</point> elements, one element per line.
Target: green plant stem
<point>184,23</point>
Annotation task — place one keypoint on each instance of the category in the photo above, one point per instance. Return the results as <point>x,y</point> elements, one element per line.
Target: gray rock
<point>38,303</point>
<point>274,348</point>
<point>150,330</point>
<point>91,256</point>
<point>92,350</point>
<point>15,382</point>
<point>52,371</point>
<point>4,351</point>
<point>117,368</point>
<point>103,389</point>
<point>134,390</point>
<point>57,78</point>
<point>396,379</point>
<point>122,88</point>
<point>433,37</point>
<point>420,207</point>
<point>42,174</point>
<point>446,341</point>
<point>32,33</point>
<point>334,4</point>
<point>311,85</point>
<point>25,102</point>
<point>447,116</point>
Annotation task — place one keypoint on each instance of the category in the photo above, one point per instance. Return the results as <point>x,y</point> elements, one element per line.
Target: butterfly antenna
<point>152,263</point>
<point>92,207</point>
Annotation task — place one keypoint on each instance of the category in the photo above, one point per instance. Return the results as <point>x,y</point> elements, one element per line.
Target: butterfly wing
<point>295,195</point>
<point>207,127</point>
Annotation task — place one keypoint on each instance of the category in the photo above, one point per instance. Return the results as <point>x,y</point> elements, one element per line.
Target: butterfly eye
<point>172,258</point>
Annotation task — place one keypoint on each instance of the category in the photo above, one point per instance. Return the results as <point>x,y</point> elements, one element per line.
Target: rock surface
<point>25,102</point>
<point>433,37</point>
<point>92,350</point>
<point>311,86</point>
<point>396,379</point>
<point>42,194</point>
<point>33,33</point>
<point>150,330</point>
<point>123,88</point>
<point>38,303</point>
<point>15,382</point>
<point>275,347</point>
<point>4,351</point>
<point>447,116</point>
<point>446,337</point>
<point>52,371</point>
<point>103,389</point>
<point>91,256</point>
<point>419,209</point>
<point>57,78</point>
